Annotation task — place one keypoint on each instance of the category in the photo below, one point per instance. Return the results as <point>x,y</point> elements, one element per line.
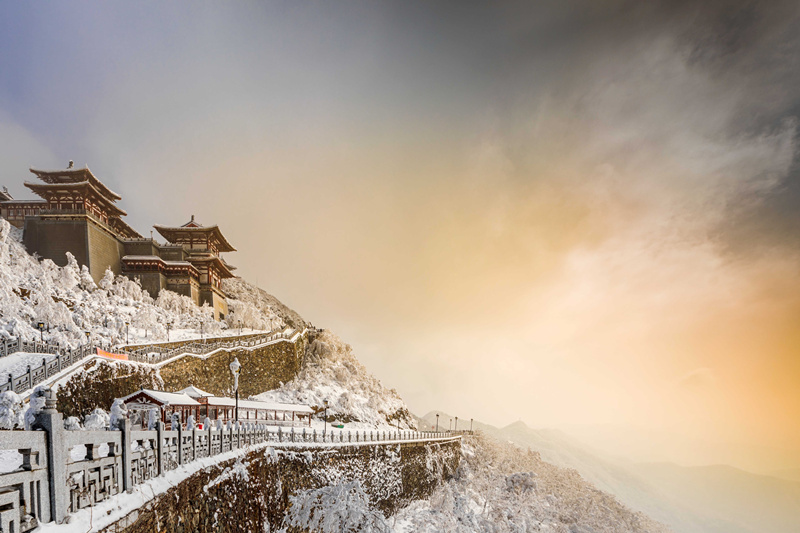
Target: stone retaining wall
<point>241,496</point>
<point>263,369</point>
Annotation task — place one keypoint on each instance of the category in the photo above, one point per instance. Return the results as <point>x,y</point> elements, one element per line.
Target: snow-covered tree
<point>340,508</point>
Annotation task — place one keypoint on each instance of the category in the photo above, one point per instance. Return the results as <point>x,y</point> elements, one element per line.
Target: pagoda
<point>77,214</point>
<point>202,246</point>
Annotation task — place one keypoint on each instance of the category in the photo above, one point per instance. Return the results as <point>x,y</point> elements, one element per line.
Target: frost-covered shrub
<point>333,373</point>
<point>11,415</point>
<point>97,420</point>
<point>72,423</point>
<point>344,507</point>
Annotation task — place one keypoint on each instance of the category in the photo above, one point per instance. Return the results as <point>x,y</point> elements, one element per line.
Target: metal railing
<point>64,471</point>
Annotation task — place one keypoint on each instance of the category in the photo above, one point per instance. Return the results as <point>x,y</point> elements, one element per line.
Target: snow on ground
<point>501,488</point>
<point>355,397</point>
<point>16,364</point>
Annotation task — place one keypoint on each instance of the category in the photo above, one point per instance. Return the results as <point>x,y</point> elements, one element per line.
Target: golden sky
<point>577,215</point>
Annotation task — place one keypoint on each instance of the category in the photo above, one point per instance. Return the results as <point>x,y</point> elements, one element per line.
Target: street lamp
<point>450,427</point>
<point>87,337</point>
<point>169,325</point>
<point>235,366</point>
<point>470,425</point>
<point>40,327</point>
<point>325,431</point>
<point>437,423</point>
<point>127,340</point>
<point>456,423</point>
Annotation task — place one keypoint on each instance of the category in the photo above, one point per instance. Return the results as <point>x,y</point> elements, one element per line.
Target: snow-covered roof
<point>194,392</point>
<point>141,258</point>
<point>255,404</point>
<point>166,398</point>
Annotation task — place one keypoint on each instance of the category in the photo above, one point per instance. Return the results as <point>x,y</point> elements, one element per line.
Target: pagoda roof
<point>124,228</point>
<point>5,196</point>
<point>83,187</point>
<point>75,175</point>
<point>172,233</point>
<point>42,189</point>
<point>221,265</point>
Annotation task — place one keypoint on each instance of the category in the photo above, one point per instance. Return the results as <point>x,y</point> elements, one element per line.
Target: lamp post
<point>235,366</point>
<point>87,337</point>
<point>450,427</point>
<point>40,327</point>
<point>437,423</point>
<point>470,425</point>
<point>456,423</point>
<point>127,340</point>
<point>169,325</point>
<point>240,328</point>
<point>325,431</point>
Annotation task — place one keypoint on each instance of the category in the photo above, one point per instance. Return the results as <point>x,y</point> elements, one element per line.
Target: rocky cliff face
<point>253,493</point>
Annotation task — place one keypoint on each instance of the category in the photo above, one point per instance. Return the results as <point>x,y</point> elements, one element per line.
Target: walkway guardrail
<point>149,354</point>
<point>64,471</point>
<point>66,357</point>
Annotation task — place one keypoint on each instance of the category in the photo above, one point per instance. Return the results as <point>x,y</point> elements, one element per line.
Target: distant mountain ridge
<point>713,499</point>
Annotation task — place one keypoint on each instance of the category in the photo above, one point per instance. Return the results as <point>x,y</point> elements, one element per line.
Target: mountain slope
<point>689,500</point>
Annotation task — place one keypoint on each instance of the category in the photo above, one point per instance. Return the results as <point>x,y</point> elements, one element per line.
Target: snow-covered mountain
<point>501,487</point>
<point>713,499</point>
<point>355,397</point>
<point>69,302</point>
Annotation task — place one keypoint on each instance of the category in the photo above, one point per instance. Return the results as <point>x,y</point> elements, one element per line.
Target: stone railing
<point>64,471</point>
<point>64,358</point>
<point>150,354</point>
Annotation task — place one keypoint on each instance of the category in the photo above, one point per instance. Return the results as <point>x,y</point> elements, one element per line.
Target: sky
<point>577,214</point>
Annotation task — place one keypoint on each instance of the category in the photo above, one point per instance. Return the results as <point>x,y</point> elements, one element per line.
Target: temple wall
<point>53,238</point>
<point>152,282</point>
<point>105,251</point>
<point>215,301</point>
<point>140,248</point>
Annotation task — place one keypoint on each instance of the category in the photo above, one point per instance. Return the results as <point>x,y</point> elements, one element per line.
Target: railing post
<point>44,364</point>
<point>194,443</point>
<point>51,421</point>
<point>160,447</point>
<point>127,449</point>
<point>180,443</point>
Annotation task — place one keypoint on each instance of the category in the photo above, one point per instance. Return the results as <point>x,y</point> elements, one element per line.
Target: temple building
<point>77,213</point>
<point>190,264</point>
